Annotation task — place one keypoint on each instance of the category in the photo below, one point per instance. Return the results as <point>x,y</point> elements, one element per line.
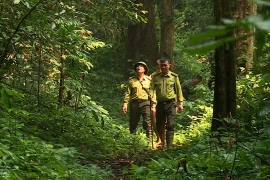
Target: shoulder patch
<point>174,74</point>
<point>157,73</point>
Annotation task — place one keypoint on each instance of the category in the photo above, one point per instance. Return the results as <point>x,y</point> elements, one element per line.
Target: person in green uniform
<point>137,96</point>
<point>154,124</point>
<point>189,85</point>
<point>169,98</point>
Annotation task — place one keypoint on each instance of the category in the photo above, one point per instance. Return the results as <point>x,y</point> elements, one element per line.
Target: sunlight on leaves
<point>16,1</point>
<point>93,45</point>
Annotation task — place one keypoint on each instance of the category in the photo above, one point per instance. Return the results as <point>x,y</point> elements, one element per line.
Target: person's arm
<point>153,96</point>
<point>179,95</point>
<point>126,98</point>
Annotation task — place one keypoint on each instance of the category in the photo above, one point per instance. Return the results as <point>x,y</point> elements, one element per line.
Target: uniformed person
<point>189,85</point>
<point>169,98</point>
<point>136,94</point>
<point>154,124</point>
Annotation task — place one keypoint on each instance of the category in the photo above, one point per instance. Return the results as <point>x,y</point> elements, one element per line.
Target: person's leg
<point>134,117</point>
<point>160,122</point>
<point>171,115</point>
<point>145,110</point>
<point>163,128</point>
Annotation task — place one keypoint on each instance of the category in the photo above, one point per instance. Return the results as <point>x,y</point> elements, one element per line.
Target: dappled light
<point>65,67</point>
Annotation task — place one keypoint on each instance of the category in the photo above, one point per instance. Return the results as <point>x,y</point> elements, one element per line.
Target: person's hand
<point>153,111</point>
<point>180,108</point>
<point>124,109</point>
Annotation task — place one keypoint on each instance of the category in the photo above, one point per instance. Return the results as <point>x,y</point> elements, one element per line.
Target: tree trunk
<point>167,30</point>
<point>142,40</point>
<point>225,73</point>
<point>244,50</point>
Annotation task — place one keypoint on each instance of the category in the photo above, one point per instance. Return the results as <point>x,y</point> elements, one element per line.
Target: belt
<point>139,100</point>
<point>167,101</point>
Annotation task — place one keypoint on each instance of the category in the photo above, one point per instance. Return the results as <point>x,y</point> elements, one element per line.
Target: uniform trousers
<point>165,116</point>
<point>139,108</point>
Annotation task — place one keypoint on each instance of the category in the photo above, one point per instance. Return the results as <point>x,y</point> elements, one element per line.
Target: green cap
<point>144,65</point>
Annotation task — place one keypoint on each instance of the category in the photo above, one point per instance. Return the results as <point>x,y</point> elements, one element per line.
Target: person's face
<point>140,68</point>
<point>165,66</point>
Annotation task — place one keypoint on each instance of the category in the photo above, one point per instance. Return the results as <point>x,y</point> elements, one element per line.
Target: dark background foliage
<point>77,49</point>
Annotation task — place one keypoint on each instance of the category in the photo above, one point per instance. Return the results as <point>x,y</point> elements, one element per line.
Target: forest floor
<point>122,164</point>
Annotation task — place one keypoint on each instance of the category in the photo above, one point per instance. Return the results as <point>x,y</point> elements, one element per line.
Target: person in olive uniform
<point>137,95</point>
<point>189,85</point>
<point>169,98</point>
<point>154,125</point>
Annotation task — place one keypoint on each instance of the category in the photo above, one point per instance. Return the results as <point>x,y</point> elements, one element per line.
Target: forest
<point>64,68</point>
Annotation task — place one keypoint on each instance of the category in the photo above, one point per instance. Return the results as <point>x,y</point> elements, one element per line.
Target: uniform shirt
<point>154,73</point>
<point>166,87</point>
<point>135,89</point>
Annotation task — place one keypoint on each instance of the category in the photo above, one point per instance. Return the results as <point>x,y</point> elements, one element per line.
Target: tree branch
<point>253,153</point>
<point>3,56</point>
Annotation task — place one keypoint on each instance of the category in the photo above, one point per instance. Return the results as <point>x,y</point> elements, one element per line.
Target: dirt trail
<point>121,163</point>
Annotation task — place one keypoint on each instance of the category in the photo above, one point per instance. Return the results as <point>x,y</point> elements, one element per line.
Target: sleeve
<point>153,93</point>
<point>127,95</point>
<point>178,89</point>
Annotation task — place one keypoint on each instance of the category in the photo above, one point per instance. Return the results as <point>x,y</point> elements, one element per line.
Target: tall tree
<point>142,40</point>
<point>225,72</point>
<point>167,29</point>
<point>244,48</point>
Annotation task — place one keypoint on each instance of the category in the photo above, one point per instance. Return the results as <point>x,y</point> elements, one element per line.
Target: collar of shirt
<point>144,77</point>
<point>167,75</point>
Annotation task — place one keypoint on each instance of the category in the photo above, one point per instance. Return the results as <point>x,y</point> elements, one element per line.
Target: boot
<point>169,138</point>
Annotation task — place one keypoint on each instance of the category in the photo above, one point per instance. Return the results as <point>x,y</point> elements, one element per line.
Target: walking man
<point>154,124</point>
<point>169,97</point>
<point>137,95</point>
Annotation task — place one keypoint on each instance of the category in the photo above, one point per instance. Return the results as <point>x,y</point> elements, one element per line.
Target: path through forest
<point>123,162</point>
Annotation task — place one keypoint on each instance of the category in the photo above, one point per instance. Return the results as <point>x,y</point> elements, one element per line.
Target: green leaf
<point>16,1</point>
<point>261,2</point>
<point>95,115</point>
<point>216,31</point>
<point>267,130</point>
<point>207,47</point>
<point>62,150</point>
<point>240,23</point>
<point>5,99</point>
<point>203,48</point>
<point>12,93</point>
<point>265,109</point>
<point>266,77</point>
<point>261,41</point>
<point>259,22</point>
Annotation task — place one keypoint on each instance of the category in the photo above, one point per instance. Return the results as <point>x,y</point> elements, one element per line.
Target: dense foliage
<point>62,89</point>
